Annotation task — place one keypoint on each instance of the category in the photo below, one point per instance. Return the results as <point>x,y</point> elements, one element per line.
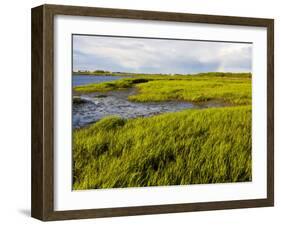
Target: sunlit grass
<point>195,90</point>
<point>227,87</point>
<point>189,147</point>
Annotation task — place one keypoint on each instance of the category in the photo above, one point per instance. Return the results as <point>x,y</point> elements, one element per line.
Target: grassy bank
<point>107,86</point>
<point>234,88</point>
<point>188,147</point>
<point>195,90</point>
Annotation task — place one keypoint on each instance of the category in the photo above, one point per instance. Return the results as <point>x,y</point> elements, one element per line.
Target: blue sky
<point>158,55</point>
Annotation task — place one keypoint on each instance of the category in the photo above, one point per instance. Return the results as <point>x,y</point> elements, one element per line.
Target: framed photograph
<point>142,112</point>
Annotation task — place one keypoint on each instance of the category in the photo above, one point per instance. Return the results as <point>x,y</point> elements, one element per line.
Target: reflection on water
<point>92,107</point>
<point>99,105</point>
<point>79,80</point>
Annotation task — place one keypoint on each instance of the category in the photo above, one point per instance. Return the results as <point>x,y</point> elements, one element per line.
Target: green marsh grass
<point>199,146</point>
<point>107,86</point>
<point>188,147</point>
<point>227,87</point>
<point>196,90</point>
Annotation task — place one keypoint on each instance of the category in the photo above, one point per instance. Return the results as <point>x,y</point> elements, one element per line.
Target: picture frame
<point>43,108</point>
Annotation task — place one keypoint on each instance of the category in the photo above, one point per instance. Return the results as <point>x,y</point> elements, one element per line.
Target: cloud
<point>158,55</point>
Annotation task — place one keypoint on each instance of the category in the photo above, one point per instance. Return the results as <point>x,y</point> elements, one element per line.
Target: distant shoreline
<point>104,73</point>
<point>108,73</point>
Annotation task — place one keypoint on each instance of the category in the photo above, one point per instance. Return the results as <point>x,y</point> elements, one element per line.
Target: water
<point>99,105</point>
<point>78,80</point>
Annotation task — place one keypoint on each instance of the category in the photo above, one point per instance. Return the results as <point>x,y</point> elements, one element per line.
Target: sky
<point>144,55</point>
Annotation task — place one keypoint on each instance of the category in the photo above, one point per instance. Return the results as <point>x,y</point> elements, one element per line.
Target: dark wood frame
<point>42,203</point>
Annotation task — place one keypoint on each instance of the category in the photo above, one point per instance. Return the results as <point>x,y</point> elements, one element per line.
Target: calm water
<point>78,80</point>
<point>99,105</point>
